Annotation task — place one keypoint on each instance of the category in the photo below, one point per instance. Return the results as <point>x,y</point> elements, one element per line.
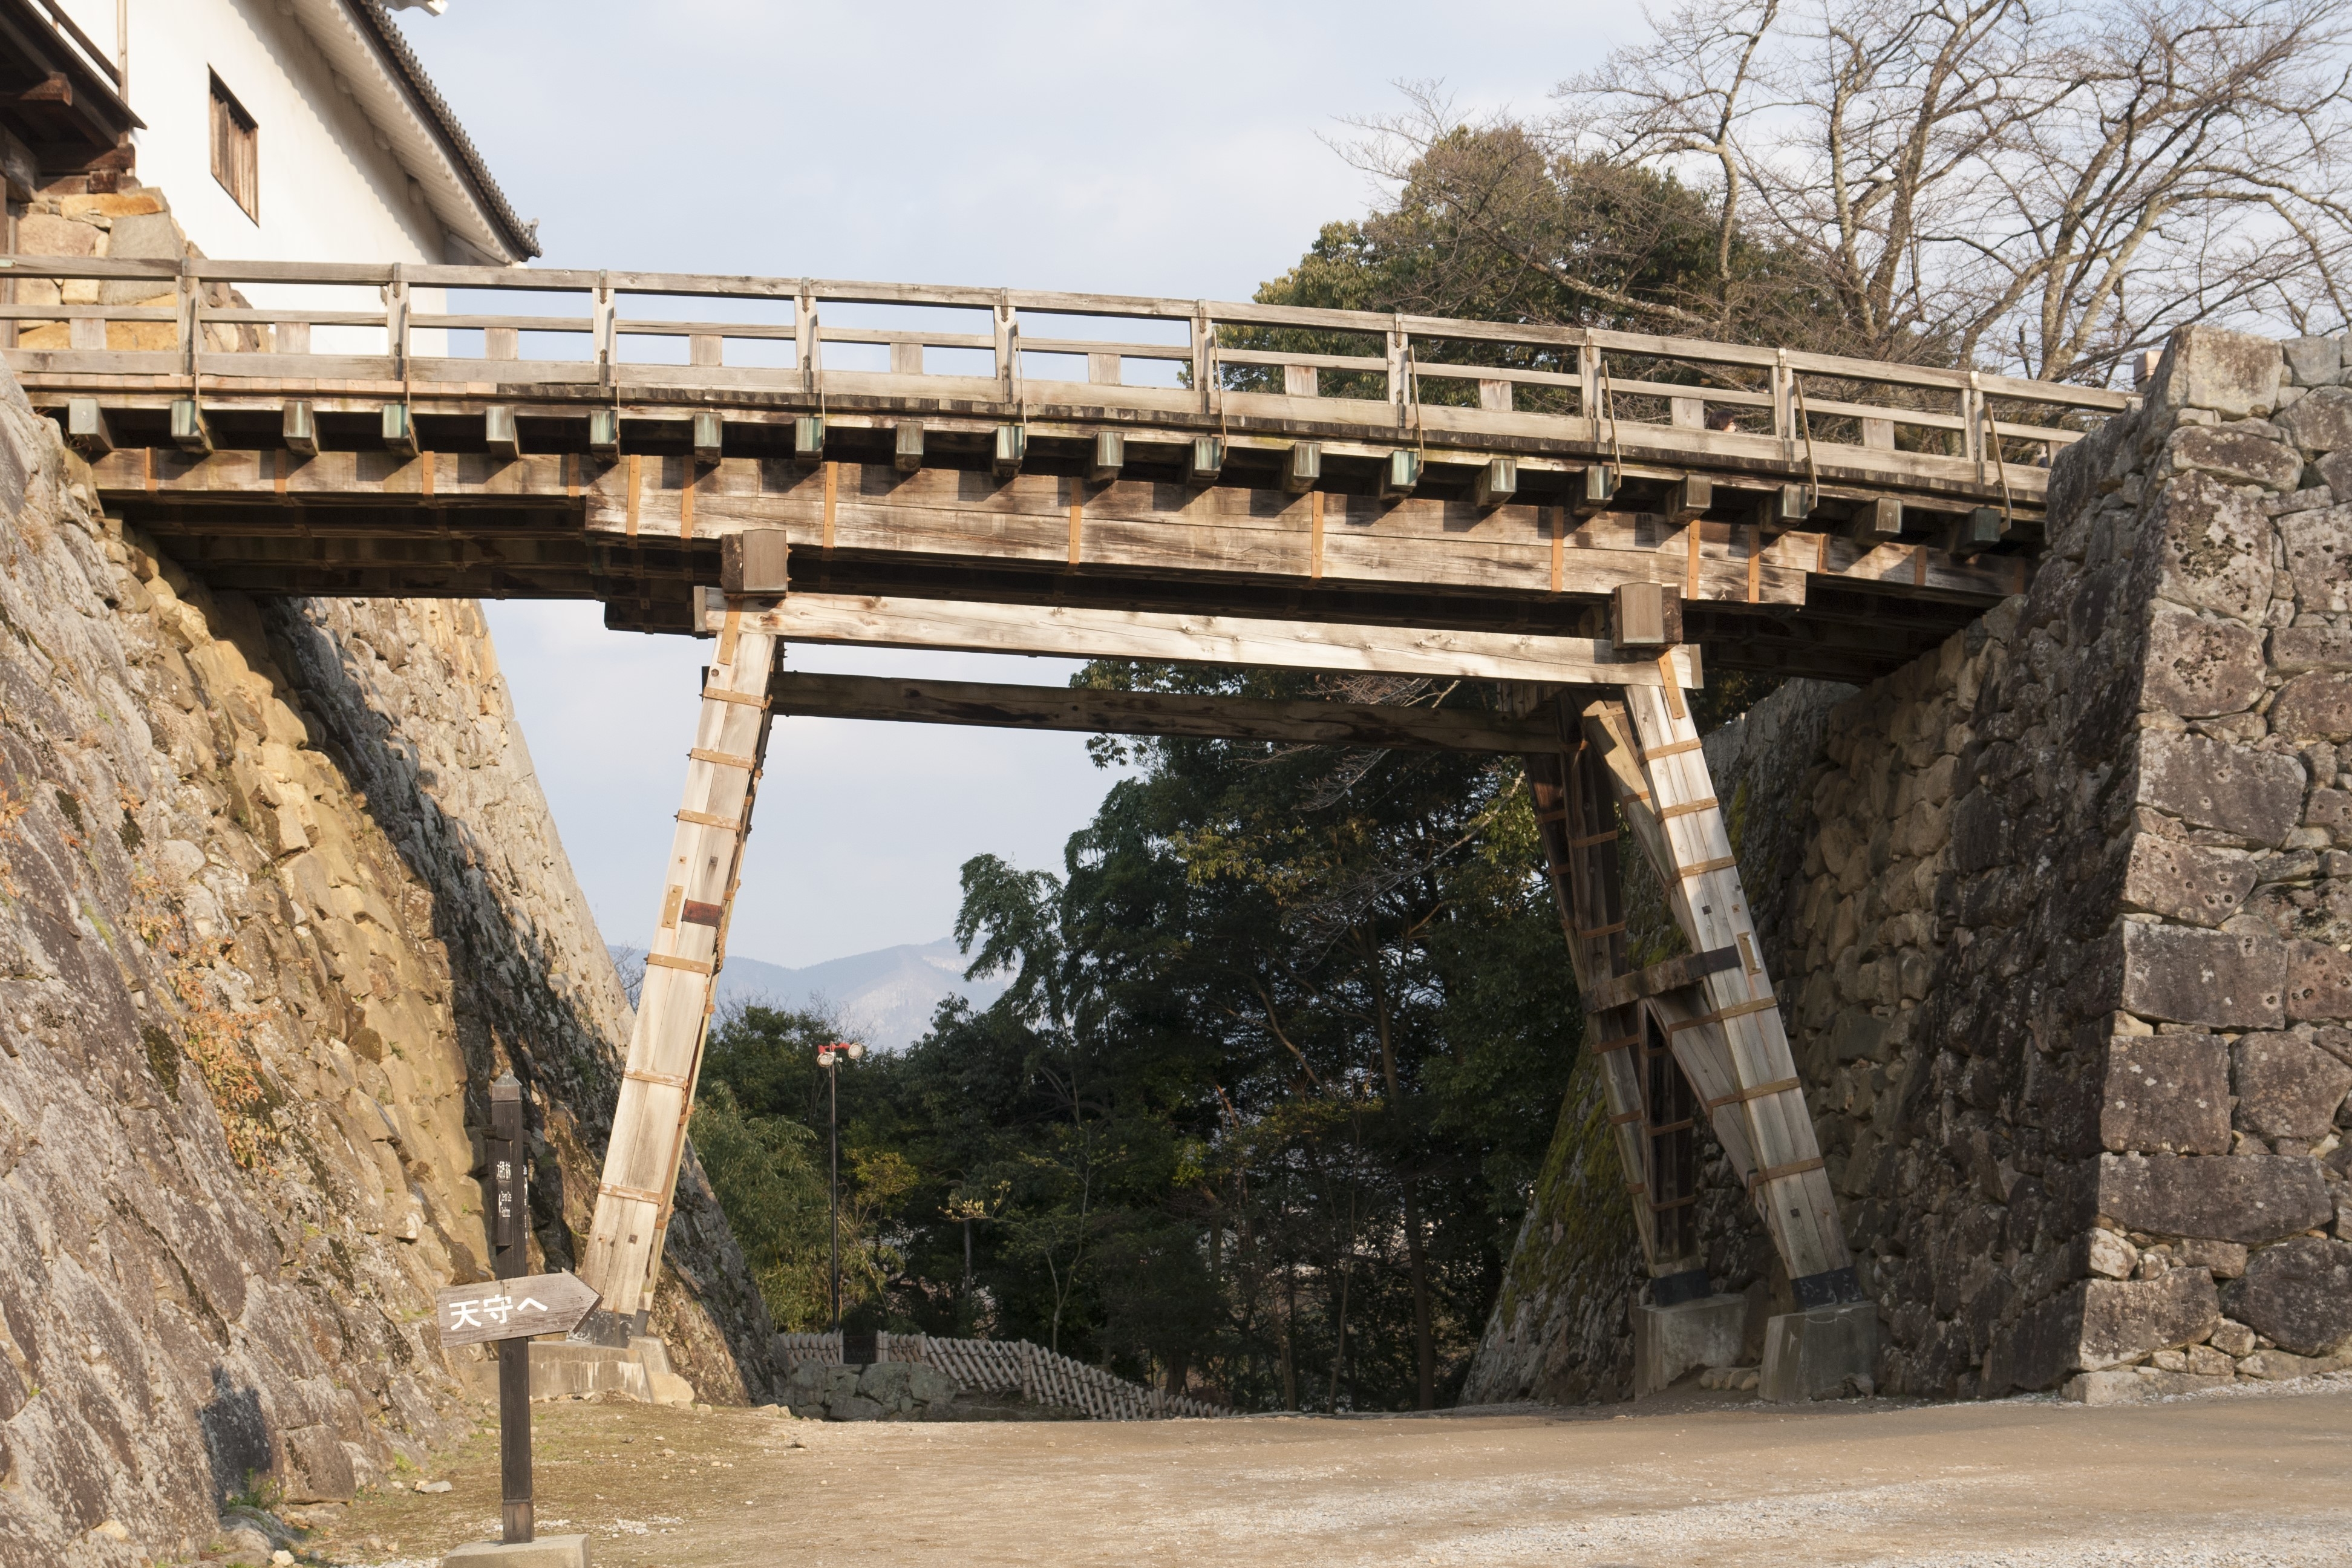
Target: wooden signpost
<point>512,1308</point>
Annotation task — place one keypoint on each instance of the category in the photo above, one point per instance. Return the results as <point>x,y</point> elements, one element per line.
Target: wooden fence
<point>1013,1366</point>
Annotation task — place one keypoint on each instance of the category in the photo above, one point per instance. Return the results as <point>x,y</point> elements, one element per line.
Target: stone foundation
<point>2063,914</point>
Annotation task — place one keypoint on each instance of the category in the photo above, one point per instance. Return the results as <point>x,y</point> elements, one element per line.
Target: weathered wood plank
<point>1072,632</point>
<point>1671,974</point>
<point>1302,722</point>
<point>688,946</point>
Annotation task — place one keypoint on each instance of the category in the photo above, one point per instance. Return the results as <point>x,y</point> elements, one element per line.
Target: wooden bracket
<point>756,562</point>
<point>1689,969</point>
<point>499,432</point>
<point>709,436</point>
<point>1302,467</point>
<point>808,440</point>
<point>1599,489</point>
<point>1497,482</point>
<point>1645,615</point>
<point>1109,456</point>
<point>906,455</point>
<point>1687,498</point>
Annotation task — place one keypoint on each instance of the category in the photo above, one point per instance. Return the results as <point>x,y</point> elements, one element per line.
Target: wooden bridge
<point>1580,514</point>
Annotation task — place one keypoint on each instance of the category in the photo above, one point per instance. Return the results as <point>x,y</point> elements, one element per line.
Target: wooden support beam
<point>709,436</point>
<point>1977,530</point>
<point>1109,455</point>
<point>604,432</point>
<point>1307,722</point>
<point>1401,472</point>
<point>1689,498</point>
<point>665,1056</point>
<point>498,434</point>
<point>1497,482</point>
<point>1598,492</point>
<point>1645,615</point>
<point>1074,632</point>
<point>757,561</point>
<point>1878,522</point>
<point>1010,451</point>
<point>189,431</point>
<point>1791,1188</point>
<point>907,442</point>
<point>88,430</point>
<point>1302,467</point>
<point>1672,974</point>
<point>399,429</point>
<point>1205,461</point>
<point>808,440</point>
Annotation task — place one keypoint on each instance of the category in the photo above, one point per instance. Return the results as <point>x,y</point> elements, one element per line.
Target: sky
<point>1182,151</point>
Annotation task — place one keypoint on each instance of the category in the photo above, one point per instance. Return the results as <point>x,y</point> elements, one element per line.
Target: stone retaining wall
<point>278,896</point>
<point>2062,915</point>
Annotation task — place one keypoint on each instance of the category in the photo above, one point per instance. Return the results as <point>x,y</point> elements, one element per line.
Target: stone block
<point>2200,667</point>
<point>2186,881</point>
<point>2313,707</point>
<point>1826,1353</point>
<point>2312,361</point>
<point>2232,1338</point>
<point>1858,1035</point>
<point>2255,796</point>
<point>2319,982</point>
<point>2241,457</point>
<point>45,234</point>
<point>2125,1319</point>
<point>2233,373</point>
<point>547,1551</point>
<point>2167,1094</point>
<point>2247,1198</point>
<point>2286,1086</point>
<point>2222,1259</point>
<point>2298,1294</point>
<point>563,1368</point>
<point>2139,1384</point>
<point>2109,1255</point>
<point>2211,549</point>
<point>2220,979</point>
<point>2320,421</point>
<point>1670,1342</point>
<point>2296,649</point>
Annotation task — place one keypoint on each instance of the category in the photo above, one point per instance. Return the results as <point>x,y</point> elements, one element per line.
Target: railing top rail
<point>1193,312</point>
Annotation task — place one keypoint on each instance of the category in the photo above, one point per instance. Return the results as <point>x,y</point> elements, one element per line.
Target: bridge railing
<point>1427,376</point>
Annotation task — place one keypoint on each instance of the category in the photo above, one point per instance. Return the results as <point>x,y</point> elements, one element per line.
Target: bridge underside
<point>1836,593</point>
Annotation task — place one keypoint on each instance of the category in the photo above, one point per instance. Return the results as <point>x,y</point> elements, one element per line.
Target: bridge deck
<point>1153,454</point>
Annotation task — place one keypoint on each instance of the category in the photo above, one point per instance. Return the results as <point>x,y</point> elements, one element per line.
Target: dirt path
<point>2214,1480</point>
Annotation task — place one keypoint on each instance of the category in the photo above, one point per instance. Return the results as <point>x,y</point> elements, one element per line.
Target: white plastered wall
<point>331,190</point>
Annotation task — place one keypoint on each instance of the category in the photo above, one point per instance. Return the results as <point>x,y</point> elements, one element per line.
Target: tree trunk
<point>1425,1342</point>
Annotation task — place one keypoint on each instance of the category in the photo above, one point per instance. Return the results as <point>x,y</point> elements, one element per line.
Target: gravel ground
<point>2231,1480</point>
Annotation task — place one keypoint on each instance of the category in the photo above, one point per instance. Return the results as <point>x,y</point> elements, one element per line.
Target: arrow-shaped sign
<point>511,1309</point>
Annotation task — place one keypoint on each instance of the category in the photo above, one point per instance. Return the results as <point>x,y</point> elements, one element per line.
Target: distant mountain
<point>885,997</point>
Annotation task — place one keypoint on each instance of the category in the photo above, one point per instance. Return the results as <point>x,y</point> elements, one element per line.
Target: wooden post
<point>1790,1187</point>
<point>510,1247</point>
<point>633,1202</point>
<point>1581,853</point>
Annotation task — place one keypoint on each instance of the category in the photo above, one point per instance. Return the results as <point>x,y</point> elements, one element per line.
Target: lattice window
<point>236,157</point>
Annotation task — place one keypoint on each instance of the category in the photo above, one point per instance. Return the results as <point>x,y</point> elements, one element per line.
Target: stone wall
<point>278,897</point>
<point>2063,942</point>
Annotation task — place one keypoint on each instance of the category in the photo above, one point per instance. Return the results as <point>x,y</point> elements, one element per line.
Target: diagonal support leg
<point>1649,1108</point>
<point>1788,1185</point>
<point>1698,1047</point>
<point>641,1163</point>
